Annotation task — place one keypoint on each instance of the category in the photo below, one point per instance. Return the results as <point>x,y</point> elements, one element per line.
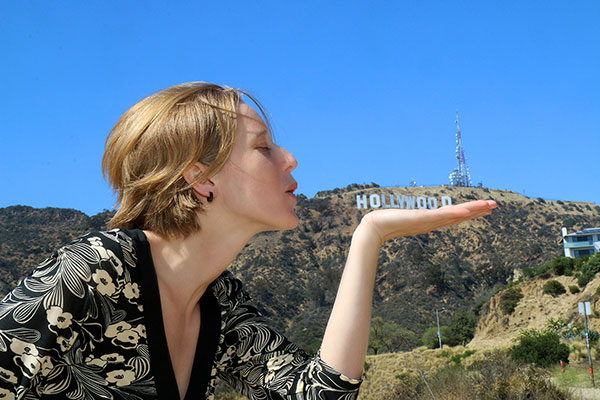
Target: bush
<point>541,348</point>
<point>430,338</point>
<point>574,289</point>
<point>496,377</point>
<point>578,262</point>
<point>584,278</point>
<point>509,300</point>
<point>562,265</point>
<point>462,328</point>
<point>476,310</point>
<point>542,270</point>
<point>457,358</point>
<point>387,336</point>
<point>555,324</point>
<point>588,270</point>
<point>554,288</point>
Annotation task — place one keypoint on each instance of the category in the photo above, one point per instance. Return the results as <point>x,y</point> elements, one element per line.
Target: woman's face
<point>256,183</point>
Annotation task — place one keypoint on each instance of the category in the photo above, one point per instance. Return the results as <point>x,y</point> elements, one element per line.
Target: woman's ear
<point>204,188</point>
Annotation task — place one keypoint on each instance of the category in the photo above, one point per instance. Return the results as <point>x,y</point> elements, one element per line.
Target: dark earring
<point>210,197</point>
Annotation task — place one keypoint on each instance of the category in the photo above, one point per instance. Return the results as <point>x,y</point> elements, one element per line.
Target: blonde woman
<point>148,309</point>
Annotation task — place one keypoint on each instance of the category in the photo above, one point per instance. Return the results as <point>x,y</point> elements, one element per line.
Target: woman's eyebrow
<point>260,134</point>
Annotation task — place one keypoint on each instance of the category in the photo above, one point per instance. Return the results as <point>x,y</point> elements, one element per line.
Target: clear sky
<point>358,91</point>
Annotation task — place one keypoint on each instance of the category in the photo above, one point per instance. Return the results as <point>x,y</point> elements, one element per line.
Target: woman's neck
<point>186,267</point>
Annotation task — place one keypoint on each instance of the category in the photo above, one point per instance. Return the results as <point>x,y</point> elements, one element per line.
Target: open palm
<point>391,223</point>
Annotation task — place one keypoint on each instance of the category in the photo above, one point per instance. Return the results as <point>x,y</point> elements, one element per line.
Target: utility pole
<point>586,309</point>
<point>439,333</point>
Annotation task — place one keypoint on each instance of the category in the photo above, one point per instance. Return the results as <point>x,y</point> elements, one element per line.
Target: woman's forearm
<point>346,338</point>
<point>347,335</point>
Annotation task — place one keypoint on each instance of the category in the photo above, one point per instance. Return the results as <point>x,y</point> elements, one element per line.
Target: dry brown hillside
<point>293,275</point>
<point>298,271</point>
<point>496,329</point>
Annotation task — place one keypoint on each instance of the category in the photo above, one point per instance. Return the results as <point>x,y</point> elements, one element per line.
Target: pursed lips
<point>290,190</point>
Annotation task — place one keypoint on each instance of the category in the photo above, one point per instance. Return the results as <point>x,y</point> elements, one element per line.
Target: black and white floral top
<point>87,324</point>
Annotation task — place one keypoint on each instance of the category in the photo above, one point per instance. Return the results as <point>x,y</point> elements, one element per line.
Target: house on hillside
<point>581,243</point>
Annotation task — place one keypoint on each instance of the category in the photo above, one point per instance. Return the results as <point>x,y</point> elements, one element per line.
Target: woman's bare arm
<point>346,338</point>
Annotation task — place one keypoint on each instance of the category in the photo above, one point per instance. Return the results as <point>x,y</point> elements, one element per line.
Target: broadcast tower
<point>460,176</point>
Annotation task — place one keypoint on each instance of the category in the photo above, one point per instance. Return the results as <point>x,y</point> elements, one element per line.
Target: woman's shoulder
<point>114,239</point>
<point>229,290</point>
<point>100,242</point>
<point>112,251</point>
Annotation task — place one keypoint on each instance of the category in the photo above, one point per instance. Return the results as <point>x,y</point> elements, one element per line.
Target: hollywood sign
<point>400,201</point>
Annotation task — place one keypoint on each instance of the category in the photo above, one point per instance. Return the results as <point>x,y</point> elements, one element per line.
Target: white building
<point>581,243</point>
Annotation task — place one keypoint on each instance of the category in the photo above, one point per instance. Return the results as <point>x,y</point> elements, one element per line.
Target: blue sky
<point>358,91</point>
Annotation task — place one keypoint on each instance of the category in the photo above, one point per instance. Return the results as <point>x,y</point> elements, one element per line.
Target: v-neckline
<point>160,360</point>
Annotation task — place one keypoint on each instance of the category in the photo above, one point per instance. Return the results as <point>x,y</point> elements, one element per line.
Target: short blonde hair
<point>159,138</point>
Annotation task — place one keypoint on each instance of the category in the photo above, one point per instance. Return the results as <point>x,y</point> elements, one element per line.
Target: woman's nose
<point>290,161</point>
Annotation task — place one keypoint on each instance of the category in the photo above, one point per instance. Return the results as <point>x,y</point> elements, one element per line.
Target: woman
<point>148,310</point>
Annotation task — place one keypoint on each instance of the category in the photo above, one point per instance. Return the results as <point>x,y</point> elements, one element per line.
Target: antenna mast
<point>460,176</point>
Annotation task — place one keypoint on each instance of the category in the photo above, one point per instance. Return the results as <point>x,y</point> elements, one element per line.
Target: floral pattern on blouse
<point>75,329</point>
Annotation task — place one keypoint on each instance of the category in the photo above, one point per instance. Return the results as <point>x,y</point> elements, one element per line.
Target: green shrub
<point>574,289</point>
<point>554,288</point>
<point>555,324</point>
<point>578,262</point>
<point>430,338</point>
<point>476,310</point>
<point>542,270</point>
<point>541,348</point>
<point>584,278</point>
<point>589,270</point>
<point>387,336</point>
<point>562,265</point>
<point>462,328</point>
<point>509,300</point>
<point>457,358</point>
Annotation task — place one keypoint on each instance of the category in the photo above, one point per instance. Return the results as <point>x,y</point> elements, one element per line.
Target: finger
<point>485,204</point>
<point>469,216</point>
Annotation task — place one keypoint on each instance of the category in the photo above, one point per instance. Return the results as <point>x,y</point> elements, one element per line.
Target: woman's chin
<point>291,222</point>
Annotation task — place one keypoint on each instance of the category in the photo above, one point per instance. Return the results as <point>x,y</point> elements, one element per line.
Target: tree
<point>430,337</point>
<point>435,276</point>
<point>387,337</point>
<point>462,328</point>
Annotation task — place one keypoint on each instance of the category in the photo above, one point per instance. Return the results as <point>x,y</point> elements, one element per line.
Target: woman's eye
<point>265,148</point>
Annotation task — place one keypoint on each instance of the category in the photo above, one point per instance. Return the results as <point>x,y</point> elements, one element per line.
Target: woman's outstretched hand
<point>387,224</point>
<point>346,338</point>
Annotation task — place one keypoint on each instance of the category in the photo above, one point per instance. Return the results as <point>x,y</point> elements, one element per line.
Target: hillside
<point>496,329</point>
<point>454,268</point>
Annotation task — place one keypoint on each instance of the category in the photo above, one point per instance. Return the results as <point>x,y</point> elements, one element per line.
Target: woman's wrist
<point>365,235</point>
